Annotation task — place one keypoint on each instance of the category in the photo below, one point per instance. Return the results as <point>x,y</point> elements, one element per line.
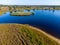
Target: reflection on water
<point>49,20</point>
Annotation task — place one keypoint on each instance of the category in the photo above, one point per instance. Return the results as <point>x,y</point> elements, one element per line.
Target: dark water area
<point>48,20</point>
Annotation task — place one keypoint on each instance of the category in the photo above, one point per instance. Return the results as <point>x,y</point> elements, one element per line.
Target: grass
<point>18,34</point>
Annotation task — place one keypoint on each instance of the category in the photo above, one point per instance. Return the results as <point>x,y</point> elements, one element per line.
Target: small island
<point>21,13</point>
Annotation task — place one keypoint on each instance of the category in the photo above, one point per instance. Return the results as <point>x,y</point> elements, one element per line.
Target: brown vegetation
<point>17,34</point>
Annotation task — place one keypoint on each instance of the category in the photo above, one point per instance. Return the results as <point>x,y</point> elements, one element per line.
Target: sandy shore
<point>50,36</point>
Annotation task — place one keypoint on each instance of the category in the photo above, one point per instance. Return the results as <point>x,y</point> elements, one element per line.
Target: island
<point>18,13</point>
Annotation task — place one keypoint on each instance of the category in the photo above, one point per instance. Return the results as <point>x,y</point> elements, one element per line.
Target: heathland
<point>19,34</point>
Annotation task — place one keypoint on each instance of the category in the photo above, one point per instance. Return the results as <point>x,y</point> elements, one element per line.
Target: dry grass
<point>17,34</point>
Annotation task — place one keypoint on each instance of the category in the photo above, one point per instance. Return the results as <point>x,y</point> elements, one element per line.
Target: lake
<point>48,20</point>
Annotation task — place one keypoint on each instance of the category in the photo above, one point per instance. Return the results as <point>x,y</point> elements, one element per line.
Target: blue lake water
<point>48,20</point>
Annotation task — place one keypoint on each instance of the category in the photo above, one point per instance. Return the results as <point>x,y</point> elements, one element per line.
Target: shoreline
<point>39,27</point>
<point>47,34</point>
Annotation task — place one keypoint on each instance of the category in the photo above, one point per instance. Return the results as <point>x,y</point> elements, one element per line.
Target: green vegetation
<point>18,34</point>
<point>18,7</point>
<point>10,8</point>
<point>18,13</point>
